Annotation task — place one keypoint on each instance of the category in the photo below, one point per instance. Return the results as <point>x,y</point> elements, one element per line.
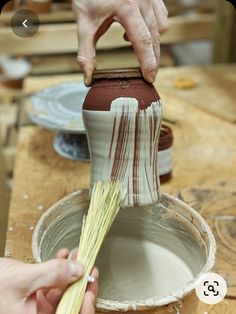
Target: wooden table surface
<point>204,160</point>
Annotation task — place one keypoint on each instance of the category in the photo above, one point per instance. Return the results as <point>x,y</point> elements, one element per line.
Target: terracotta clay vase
<point>122,116</point>
<point>109,85</point>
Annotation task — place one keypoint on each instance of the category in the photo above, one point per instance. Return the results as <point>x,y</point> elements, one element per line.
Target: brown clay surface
<point>107,86</point>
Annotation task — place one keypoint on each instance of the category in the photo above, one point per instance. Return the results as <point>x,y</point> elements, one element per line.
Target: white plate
<point>59,108</point>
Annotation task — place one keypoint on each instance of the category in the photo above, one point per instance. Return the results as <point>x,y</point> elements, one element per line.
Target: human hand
<point>91,294</point>
<point>143,21</point>
<point>38,288</point>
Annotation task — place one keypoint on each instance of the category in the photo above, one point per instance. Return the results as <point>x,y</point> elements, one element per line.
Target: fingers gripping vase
<point>122,117</point>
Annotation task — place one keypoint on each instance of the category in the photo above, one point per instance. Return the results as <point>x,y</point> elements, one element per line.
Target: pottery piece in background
<point>39,6</point>
<point>9,6</point>
<point>165,153</point>
<point>59,107</point>
<point>13,83</point>
<point>71,146</point>
<point>13,71</point>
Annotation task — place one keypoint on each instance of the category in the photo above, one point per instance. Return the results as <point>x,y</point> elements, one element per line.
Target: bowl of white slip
<point>151,259</point>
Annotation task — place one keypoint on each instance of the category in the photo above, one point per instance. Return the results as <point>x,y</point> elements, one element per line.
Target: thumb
<point>86,52</point>
<point>56,273</point>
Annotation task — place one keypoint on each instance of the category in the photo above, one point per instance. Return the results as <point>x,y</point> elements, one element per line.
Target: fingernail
<point>95,273</point>
<point>76,269</point>
<point>87,80</point>
<point>152,76</point>
<point>73,254</point>
<point>88,74</point>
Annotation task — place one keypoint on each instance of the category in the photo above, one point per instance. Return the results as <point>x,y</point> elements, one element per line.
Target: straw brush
<point>105,202</point>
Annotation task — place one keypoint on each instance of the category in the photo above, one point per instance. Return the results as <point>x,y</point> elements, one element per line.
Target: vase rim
<point>117,74</point>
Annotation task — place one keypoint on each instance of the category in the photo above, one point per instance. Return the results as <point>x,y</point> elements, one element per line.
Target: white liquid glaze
<point>135,269</point>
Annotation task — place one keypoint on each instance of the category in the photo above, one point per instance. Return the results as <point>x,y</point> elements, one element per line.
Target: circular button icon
<point>211,288</point>
<point>25,23</point>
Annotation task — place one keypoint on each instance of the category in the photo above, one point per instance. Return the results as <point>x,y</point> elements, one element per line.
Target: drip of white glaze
<point>124,146</point>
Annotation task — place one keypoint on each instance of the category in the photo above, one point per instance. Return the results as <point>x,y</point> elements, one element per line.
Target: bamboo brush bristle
<point>105,202</point>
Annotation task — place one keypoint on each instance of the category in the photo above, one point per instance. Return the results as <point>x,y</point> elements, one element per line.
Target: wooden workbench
<point>204,170</point>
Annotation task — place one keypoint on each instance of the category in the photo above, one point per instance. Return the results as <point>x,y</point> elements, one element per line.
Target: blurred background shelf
<point>181,29</point>
<point>62,11</point>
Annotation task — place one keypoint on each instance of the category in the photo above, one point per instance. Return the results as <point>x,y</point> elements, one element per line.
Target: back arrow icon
<point>24,23</point>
